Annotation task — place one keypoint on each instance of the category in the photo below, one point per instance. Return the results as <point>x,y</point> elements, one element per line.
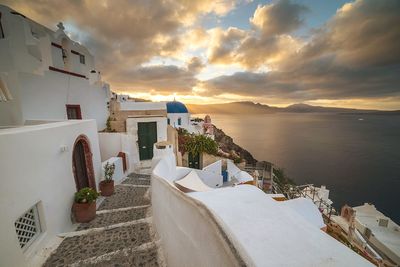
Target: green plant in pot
<point>84,207</point>
<point>107,185</point>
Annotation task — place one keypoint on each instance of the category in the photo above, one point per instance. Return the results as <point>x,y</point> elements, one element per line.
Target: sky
<point>328,53</point>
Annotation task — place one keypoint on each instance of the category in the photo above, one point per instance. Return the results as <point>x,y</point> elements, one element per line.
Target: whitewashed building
<point>45,79</point>
<point>44,75</point>
<point>178,115</point>
<point>134,128</point>
<point>42,166</point>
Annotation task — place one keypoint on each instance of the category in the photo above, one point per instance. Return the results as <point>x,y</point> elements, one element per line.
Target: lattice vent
<point>27,227</point>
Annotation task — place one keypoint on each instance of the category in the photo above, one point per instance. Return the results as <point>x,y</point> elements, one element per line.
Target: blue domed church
<point>178,115</point>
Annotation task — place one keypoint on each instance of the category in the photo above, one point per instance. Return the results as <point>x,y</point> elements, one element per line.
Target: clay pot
<point>84,212</point>
<point>107,188</point>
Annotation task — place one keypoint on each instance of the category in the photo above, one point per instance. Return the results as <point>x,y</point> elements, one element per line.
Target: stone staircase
<point>120,235</point>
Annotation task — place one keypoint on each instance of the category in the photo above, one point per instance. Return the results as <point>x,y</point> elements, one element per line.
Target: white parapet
<point>239,225</point>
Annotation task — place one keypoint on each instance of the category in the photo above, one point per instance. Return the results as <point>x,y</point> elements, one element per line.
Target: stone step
<point>79,248</point>
<point>139,176</point>
<point>148,254</point>
<point>136,181</point>
<point>119,216</point>
<point>126,196</point>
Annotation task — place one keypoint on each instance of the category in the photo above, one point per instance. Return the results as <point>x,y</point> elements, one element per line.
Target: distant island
<point>248,107</point>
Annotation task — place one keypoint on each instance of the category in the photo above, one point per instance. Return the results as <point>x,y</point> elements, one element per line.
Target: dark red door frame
<point>77,109</point>
<point>88,162</point>
<point>1,28</point>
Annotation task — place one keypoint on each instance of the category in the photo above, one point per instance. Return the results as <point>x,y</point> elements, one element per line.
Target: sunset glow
<point>272,52</point>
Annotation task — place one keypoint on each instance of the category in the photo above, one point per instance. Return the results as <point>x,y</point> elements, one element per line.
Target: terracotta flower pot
<point>84,212</point>
<point>107,188</point>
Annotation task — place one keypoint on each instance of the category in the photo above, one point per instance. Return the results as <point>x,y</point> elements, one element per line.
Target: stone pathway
<point>120,235</point>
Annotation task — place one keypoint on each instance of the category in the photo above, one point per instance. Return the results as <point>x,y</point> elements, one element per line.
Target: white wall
<point>44,97</point>
<point>215,167</point>
<point>131,105</point>
<point>35,170</point>
<point>38,93</point>
<point>113,143</point>
<point>189,234</point>
<point>119,169</point>
<point>210,179</point>
<point>173,117</point>
<point>232,169</point>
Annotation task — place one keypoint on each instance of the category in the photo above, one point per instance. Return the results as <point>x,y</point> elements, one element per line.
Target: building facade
<point>44,75</point>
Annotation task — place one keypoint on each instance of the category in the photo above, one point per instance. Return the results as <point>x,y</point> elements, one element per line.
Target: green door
<point>147,134</point>
<point>194,161</point>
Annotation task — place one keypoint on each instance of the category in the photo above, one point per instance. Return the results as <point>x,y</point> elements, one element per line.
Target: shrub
<point>182,131</point>
<point>108,125</point>
<point>198,144</point>
<point>86,195</point>
<point>237,160</point>
<point>109,171</point>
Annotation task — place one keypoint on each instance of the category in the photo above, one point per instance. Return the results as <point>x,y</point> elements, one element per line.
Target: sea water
<point>356,156</point>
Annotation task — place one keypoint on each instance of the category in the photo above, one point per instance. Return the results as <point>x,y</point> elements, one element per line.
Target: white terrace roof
<point>369,216</point>
<point>270,234</point>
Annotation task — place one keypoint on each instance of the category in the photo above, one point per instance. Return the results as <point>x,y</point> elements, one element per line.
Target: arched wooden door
<point>82,164</point>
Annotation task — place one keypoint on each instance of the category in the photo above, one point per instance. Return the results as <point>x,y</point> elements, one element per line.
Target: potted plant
<point>107,185</point>
<point>84,207</point>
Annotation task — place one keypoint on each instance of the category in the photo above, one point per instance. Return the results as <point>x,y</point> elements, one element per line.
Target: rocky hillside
<point>227,145</point>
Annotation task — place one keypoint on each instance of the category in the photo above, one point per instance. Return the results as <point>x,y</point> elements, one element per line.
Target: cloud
<point>355,55</point>
<point>161,79</point>
<point>223,44</point>
<point>268,44</point>
<point>124,34</point>
<point>278,18</point>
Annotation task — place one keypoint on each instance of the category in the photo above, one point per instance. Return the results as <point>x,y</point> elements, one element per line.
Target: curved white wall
<point>189,234</point>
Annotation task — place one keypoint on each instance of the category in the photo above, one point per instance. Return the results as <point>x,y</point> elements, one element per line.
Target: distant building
<point>379,230</point>
<point>44,75</point>
<point>178,115</point>
<point>208,127</point>
<point>137,126</point>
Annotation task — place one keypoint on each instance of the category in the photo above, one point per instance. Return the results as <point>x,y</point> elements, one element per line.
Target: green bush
<point>86,195</point>
<point>198,144</point>
<point>237,160</point>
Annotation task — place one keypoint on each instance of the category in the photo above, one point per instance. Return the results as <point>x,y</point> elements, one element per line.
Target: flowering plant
<point>109,171</point>
<point>86,195</point>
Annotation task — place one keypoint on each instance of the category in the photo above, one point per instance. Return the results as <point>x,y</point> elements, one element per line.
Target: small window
<point>27,227</point>
<point>1,29</point>
<point>82,59</point>
<point>74,112</point>
<point>179,121</point>
<point>168,121</point>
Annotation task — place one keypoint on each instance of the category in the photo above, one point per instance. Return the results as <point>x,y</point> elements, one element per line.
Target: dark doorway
<point>82,164</point>
<point>74,112</point>
<point>194,160</point>
<point>147,134</point>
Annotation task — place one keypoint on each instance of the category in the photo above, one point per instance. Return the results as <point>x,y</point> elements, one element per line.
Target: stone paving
<point>120,235</point>
<point>109,218</point>
<point>136,181</point>
<point>126,196</point>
